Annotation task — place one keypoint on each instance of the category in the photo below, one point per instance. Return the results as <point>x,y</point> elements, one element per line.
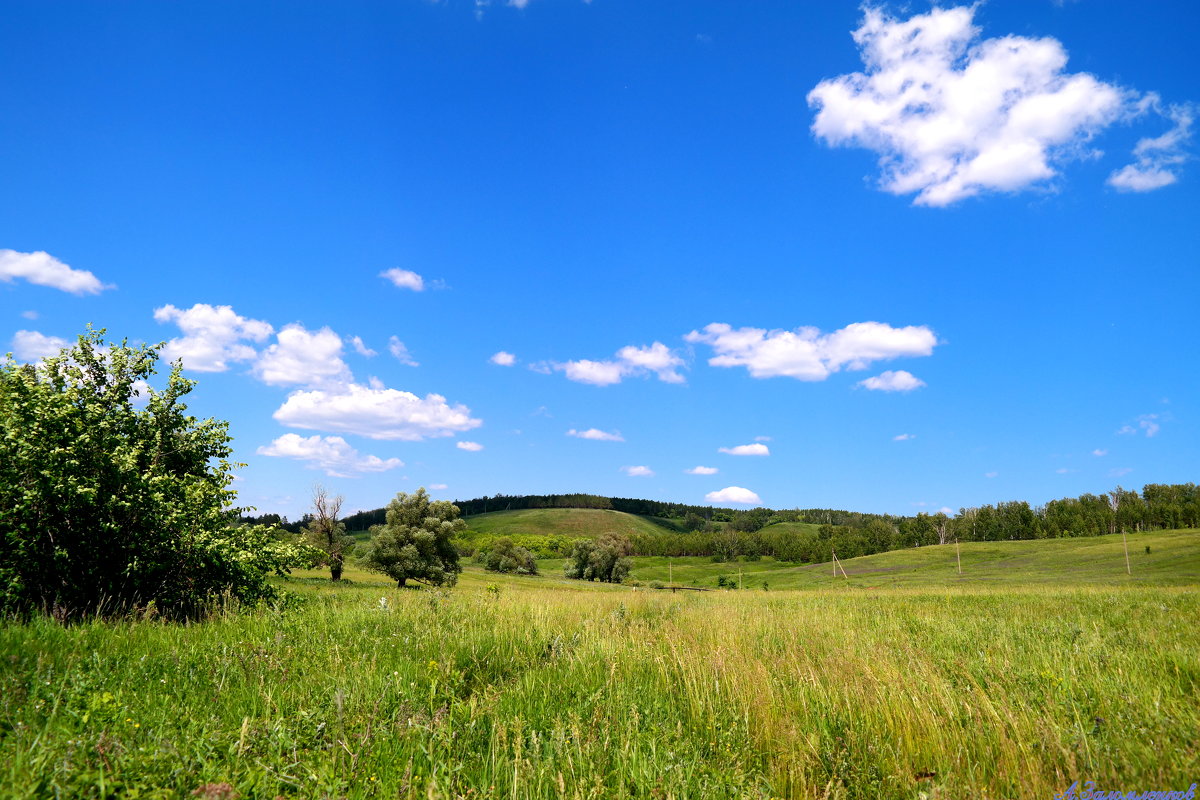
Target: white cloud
<point>1146,423</point>
<point>34,346</point>
<point>404,279</point>
<point>141,393</point>
<point>657,358</point>
<point>807,354</point>
<point>303,357</point>
<point>638,472</point>
<point>397,349</point>
<point>904,437</point>
<point>762,438</point>
<point>746,450</point>
<point>376,413</point>
<point>597,435</point>
<point>1063,471</point>
<point>1157,159</point>
<point>947,511</point>
<point>43,269</point>
<point>437,487</point>
<point>1098,452</point>
<point>629,361</point>
<point>734,494</point>
<point>597,373</point>
<point>1119,472</point>
<point>952,115</point>
<point>990,474</point>
<point>29,314</point>
<point>330,453</point>
<point>470,447</point>
<point>702,471</point>
<point>893,381</point>
<point>213,336</point>
<point>361,348</point>
<point>503,359</point>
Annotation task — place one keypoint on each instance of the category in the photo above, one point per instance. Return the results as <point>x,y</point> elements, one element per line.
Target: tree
<point>326,533</point>
<point>601,560</point>
<point>113,497</point>
<point>415,543</point>
<point>505,556</point>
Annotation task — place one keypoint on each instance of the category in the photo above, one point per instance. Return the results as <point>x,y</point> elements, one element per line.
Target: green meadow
<point>1044,664</point>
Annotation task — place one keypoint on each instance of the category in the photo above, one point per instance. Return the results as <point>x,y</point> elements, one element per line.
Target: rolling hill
<point>572,522</point>
<point>1173,560</point>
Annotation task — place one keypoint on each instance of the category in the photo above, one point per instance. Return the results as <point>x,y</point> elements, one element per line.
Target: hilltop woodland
<point>813,535</point>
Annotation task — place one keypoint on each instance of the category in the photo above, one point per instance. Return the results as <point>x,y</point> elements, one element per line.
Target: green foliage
<point>105,505</point>
<point>416,541</point>
<point>604,559</point>
<point>505,556</point>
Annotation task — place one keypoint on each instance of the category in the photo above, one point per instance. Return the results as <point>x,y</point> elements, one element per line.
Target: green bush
<point>107,506</point>
<point>505,556</point>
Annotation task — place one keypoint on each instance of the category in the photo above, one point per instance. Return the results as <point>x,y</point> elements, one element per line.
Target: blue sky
<point>947,260</point>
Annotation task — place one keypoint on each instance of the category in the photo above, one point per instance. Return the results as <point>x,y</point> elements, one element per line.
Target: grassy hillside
<point>792,527</point>
<point>560,522</point>
<point>1174,559</point>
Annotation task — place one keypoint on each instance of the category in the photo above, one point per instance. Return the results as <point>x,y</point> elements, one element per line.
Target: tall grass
<point>515,688</point>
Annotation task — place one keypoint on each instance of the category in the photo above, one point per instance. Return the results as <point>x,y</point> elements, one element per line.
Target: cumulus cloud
<point>29,314</point>
<point>597,435</point>
<point>657,359</point>
<point>952,115</point>
<point>807,354</point>
<point>1098,452</point>
<point>893,381</point>
<point>397,349</point>
<point>1146,423</point>
<point>213,336</point>
<point>301,357</point>
<point>34,346</point>
<point>503,359</point>
<point>734,494</point>
<point>361,348</point>
<point>43,269</point>
<point>404,279</point>
<point>1157,160</point>
<point>638,472</point>
<point>376,413</point>
<point>470,447</point>
<point>330,453</point>
<point>757,449</point>
<point>702,471</point>
<point>904,437</point>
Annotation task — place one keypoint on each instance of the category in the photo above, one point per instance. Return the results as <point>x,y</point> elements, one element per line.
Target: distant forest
<point>729,533</point>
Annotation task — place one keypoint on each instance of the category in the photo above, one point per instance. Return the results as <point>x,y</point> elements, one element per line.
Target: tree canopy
<point>415,543</point>
<point>112,496</point>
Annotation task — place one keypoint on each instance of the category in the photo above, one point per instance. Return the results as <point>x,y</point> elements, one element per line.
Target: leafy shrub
<point>604,559</point>
<point>504,556</point>
<point>105,505</point>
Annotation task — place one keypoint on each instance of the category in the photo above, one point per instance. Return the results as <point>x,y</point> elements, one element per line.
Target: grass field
<point>1174,559</point>
<point>503,687</point>
<point>561,522</point>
